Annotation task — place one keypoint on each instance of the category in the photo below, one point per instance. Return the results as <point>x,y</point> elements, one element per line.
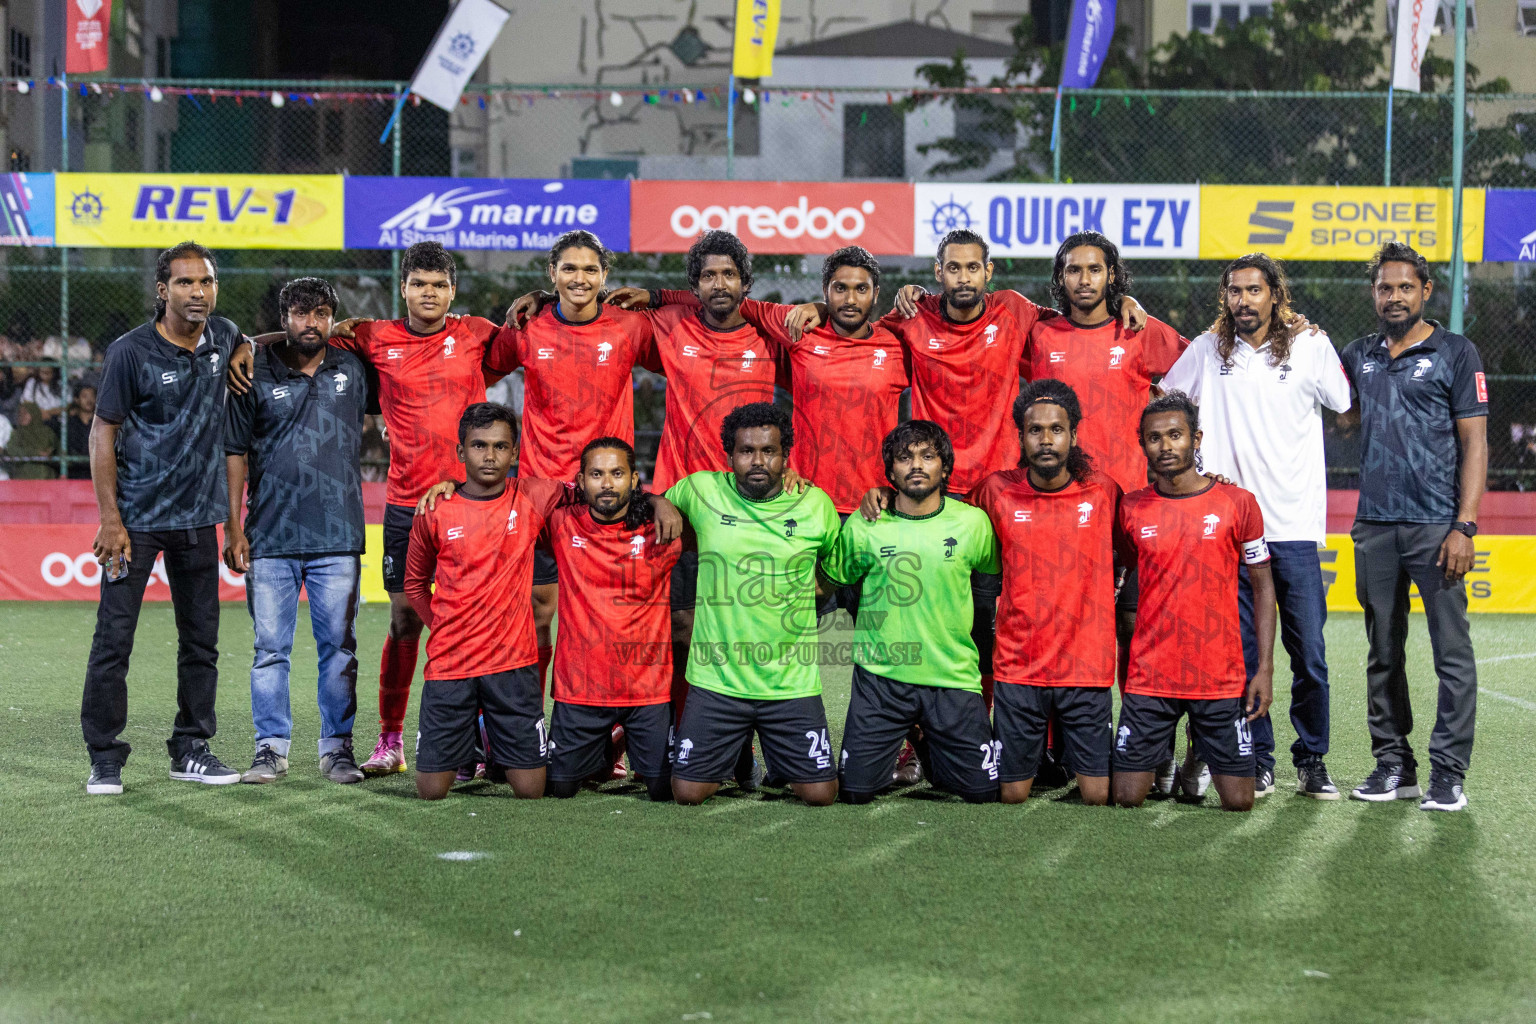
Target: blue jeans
<point>272,594</point>
<point>1303,609</point>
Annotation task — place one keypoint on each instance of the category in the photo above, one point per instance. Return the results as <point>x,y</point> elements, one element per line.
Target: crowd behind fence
<point>59,308</point>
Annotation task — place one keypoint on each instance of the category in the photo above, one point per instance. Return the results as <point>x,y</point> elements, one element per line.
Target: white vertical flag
<point>1415,22</point>
<point>461,43</point>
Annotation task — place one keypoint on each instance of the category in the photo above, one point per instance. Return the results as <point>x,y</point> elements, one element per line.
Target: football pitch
<point>308,901</point>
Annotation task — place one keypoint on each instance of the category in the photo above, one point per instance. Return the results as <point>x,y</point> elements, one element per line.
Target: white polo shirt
<point>1262,425</point>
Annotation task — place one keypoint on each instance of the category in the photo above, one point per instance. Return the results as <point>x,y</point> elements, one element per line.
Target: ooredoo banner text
<point>811,217</point>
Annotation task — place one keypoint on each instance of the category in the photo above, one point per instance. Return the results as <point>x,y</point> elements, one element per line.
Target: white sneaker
<point>1164,778</point>
<point>1193,778</point>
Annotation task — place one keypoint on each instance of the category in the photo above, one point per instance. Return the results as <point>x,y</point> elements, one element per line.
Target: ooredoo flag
<point>1415,22</point>
<point>757,29</point>
<point>461,43</point>
<point>86,30</point>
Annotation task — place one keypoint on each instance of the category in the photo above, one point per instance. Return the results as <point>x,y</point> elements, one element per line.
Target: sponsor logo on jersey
<point>1367,367</point>
<point>789,527</point>
<point>949,547</point>
<point>1211,521</point>
<point>341,383</point>
<point>1285,369</point>
<point>1058,357</point>
<point>604,350</point>
<point>448,344</point>
<point>935,344</point>
<point>1023,515</point>
<point>637,547</point>
<point>1084,512</point>
<point>820,350</point>
<point>1148,532</point>
<point>578,541</point>
<point>512,521</point>
<point>880,358</point>
<point>1482,386</point>
<point>281,392</point>
<point>455,532</point>
<point>691,351</point>
<point>747,359</point>
<point>394,353</point>
<point>1116,356</point>
<point>1423,366</point>
<point>726,519</point>
<point>991,335</point>
<point>546,353</point>
<point>684,749</point>
<point>169,377</point>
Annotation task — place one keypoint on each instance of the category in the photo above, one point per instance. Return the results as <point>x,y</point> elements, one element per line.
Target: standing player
<point>429,372</point>
<point>578,358</point>
<point>481,657</point>
<point>298,433</point>
<point>1054,518</point>
<point>157,463</point>
<point>1188,536</point>
<point>1261,380</point>
<point>613,656</point>
<point>747,667</point>
<point>914,661</point>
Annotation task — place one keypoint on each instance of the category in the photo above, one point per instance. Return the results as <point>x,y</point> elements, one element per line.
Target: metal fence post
<point>1458,144</point>
<point>394,254</point>
<point>63,381</point>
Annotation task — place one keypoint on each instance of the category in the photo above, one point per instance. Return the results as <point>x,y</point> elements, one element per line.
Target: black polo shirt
<point>1410,456</point>
<point>170,405</point>
<point>302,437</point>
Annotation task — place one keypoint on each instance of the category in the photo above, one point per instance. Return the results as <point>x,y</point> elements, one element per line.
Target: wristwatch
<point>1468,528</point>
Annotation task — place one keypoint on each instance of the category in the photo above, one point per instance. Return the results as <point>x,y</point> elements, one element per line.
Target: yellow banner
<point>1323,223</point>
<point>757,28</point>
<point>232,211</point>
<point>373,565</point>
<point>1503,578</point>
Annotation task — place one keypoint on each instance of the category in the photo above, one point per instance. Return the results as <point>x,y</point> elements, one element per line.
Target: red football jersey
<point>481,554</point>
<point>1111,369</point>
<point>426,381</point>
<point>1056,616</point>
<point>1186,551</point>
<point>614,644</point>
<point>577,383</point>
<point>847,396</point>
<point>966,376</point>
<point>709,373</point>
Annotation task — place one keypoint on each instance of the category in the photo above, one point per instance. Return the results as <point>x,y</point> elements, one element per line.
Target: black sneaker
<point>106,778</point>
<point>1312,779</point>
<point>1388,782</point>
<point>198,764</point>
<point>1263,782</point>
<point>1444,792</point>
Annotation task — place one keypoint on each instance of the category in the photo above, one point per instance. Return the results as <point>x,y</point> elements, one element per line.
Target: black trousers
<point>192,569</point>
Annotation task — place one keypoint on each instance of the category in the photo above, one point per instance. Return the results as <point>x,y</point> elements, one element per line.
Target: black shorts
<point>715,727</point>
<point>957,750</point>
<point>513,704</point>
<point>685,582</point>
<point>545,569</point>
<point>1147,725</point>
<point>579,733</point>
<point>1020,714</point>
<point>397,544</point>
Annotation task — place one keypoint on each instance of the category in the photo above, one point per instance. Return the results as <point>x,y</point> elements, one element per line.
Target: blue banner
<point>26,209</point>
<point>1093,25</point>
<point>483,213</point>
<point>1509,226</point>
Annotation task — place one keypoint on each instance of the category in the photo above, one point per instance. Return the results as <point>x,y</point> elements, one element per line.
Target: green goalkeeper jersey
<point>914,622</point>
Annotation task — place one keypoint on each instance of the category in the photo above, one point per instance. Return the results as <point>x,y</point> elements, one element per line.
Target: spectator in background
<point>44,390</point>
<point>81,411</point>
<point>31,438</point>
<point>82,360</point>
<point>5,437</point>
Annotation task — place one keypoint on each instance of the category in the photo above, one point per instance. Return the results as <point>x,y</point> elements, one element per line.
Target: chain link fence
<point>60,308</point>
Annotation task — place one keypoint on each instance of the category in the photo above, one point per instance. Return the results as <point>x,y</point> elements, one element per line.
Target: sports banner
<point>810,217</point>
<point>461,43</point>
<point>87,27</point>
<point>1415,24</point>
<point>757,29</point>
<point>1145,221</point>
<point>1327,223</point>
<point>231,211</point>
<point>483,213</point>
<point>1088,36</point>
<point>1503,576</point>
<point>26,209</point>
<point>1509,231</point>
<point>54,563</point>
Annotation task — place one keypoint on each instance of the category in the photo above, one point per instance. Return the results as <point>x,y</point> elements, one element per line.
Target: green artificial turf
<point>307,901</point>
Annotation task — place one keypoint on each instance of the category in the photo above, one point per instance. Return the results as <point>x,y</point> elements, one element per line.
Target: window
<point>991,25</point>
<point>1525,18</point>
<point>874,141</point>
<point>1204,14</point>
<point>21,161</point>
<point>1445,16</point>
<point>20,54</point>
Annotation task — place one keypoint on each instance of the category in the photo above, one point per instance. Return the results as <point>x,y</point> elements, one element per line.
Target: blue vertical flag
<point>1093,25</point>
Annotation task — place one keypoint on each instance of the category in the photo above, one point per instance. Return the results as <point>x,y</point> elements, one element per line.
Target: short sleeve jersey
<point>169,403</point>
<point>847,397</point>
<point>578,383</point>
<point>1056,615</point>
<point>302,436</point>
<point>965,377</point>
<point>754,629</point>
<point>915,612</point>
<point>709,372</point>
<point>1410,455</point>
<point>614,644</point>
<point>1187,550</point>
<point>480,551</point>
<point>426,381</point>
<point>1111,369</point>
<point>1262,424</point>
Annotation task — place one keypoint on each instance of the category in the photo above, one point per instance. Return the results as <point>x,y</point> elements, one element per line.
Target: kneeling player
<point>915,663</point>
<point>753,661</point>
<point>1055,653</point>
<point>1187,537</point>
<point>481,655</point>
<point>613,651</point>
